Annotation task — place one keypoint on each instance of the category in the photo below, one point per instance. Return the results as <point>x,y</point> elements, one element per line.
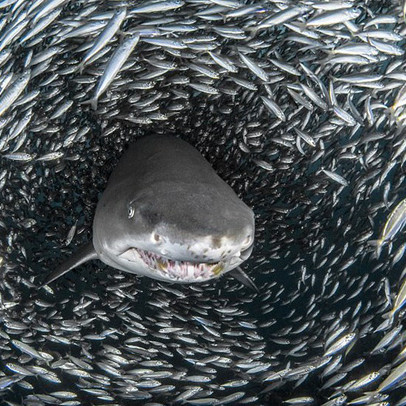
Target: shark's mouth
<point>175,270</point>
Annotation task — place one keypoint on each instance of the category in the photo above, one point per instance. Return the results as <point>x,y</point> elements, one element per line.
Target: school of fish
<point>300,106</point>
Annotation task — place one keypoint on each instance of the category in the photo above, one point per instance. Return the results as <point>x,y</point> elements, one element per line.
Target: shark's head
<point>175,232</point>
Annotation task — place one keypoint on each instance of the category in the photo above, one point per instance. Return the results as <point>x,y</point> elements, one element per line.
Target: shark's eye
<point>131,212</point>
<point>247,241</point>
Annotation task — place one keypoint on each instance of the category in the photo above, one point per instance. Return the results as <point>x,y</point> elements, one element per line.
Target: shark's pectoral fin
<point>83,254</point>
<point>242,277</point>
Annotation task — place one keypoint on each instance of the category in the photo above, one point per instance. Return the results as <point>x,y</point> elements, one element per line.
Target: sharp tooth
<point>217,269</point>
<point>129,255</point>
<point>180,269</point>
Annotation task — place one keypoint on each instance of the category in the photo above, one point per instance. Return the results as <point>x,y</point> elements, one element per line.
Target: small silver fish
<point>13,91</point>
<point>105,36</point>
<point>340,344</point>
<point>333,17</point>
<point>114,65</point>
<point>156,7</point>
<point>394,224</point>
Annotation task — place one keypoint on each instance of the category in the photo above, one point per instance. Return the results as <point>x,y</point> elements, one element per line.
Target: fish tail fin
<point>302,26</point>
<point>252,30</point>
<point>83,254</point>
<point>242,277</point>
<point>392,111</point>
<point>389,315</point>
<point>80,67</point>
<point>325,61</point>
<point>378,246</point>
<point>384,325</point>
<point>92,102</point>
<point>329,56</point>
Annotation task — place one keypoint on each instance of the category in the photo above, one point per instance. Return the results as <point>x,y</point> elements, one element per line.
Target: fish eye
<point>131,212</point>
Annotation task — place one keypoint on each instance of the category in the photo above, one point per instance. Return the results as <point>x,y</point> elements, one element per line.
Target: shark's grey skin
<point>167,215</point>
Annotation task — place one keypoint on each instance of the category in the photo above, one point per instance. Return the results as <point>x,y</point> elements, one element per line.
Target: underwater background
<point>299,106</point>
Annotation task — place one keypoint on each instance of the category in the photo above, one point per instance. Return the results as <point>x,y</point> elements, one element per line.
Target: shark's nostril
<point>216,242</point>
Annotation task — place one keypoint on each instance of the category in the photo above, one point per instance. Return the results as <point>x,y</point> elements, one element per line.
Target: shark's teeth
<point>180,270</point>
